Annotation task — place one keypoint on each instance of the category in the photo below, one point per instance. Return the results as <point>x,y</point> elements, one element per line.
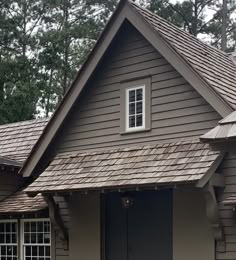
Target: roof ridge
<point>180,29</point>
<point>31,121</point>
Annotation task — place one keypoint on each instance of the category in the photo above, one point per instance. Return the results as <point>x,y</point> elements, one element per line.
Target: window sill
<point>135,131</point>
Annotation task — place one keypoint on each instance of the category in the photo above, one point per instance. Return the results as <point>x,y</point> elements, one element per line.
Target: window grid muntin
<point>8,250</point>
<point>134,102</point>
<point>33,248</point>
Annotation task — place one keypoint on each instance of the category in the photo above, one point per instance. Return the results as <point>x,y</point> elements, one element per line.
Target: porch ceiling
<point>163,164</point>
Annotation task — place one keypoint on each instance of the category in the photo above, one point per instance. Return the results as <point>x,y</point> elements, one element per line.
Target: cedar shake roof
<point>216,67</point>
<point>225,130</point>
<point>175,163</point>
<point>18,139</point>
<point>19,202</point>
<point>8,162</point>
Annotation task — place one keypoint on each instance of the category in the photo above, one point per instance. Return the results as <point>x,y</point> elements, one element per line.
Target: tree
<point>72,28</point>
<point>19,95</point>
<point>191,15</point>
<point>222,28</point>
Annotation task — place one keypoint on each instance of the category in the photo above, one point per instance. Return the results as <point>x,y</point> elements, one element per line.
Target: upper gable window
<point>135,108</point>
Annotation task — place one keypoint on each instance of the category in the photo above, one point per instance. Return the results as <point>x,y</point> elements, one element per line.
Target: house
<point>137,162</point>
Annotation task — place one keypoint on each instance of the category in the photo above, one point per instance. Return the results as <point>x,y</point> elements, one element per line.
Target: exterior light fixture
<point>127,201</point>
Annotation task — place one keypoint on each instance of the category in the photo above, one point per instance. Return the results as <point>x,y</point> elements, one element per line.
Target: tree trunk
<point>224,26</point>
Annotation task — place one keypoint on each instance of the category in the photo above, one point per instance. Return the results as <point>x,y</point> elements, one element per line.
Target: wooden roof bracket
<point>212,211</point>
<point>56,219</point>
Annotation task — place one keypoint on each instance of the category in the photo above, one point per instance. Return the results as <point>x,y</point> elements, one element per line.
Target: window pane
<point>2,225</point>
<point>131,109</point>
<point>139,107</point>
<point>27,238</point>
<point>26,227</point>
<point>33,226</point>
<point>40,226</point>
<point>33,238</point>
<point>47,251</point>
<point>8,238</point>
<point>38,246</point>
<point>139,120</point>
<point>47,238</point>
<point>14,238</point>
<point>8,225</point>
<point>131,95</point>
<point>139,94</point>
<point>132,121</point>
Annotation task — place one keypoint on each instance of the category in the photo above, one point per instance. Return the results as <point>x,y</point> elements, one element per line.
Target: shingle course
<point>17,139</point>
<point>181,162</point>
<point>225,130</point>
<point>19,202</point>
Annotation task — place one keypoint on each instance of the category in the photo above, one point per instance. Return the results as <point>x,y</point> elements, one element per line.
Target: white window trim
<point>22,221</point>
<point>127,128</point>
<point>17,232</point>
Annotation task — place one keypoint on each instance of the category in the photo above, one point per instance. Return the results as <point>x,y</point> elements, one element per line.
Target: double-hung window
<point>36,239</point>
<point>135,108</point>
<point>28,239</point>
<point>8,240</point>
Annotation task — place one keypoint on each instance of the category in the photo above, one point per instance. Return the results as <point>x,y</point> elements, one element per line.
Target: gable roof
<point>226,130</point>
<point>183,162</point>
<point>167,39</point>
<point>17,139</point>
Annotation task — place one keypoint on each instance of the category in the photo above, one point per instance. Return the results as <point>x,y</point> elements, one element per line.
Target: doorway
<point>141,230</point>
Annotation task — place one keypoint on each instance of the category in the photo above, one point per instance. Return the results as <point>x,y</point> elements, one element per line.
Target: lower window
<point>36,239</point>
<point>8,240</point>
<point>31,239</point>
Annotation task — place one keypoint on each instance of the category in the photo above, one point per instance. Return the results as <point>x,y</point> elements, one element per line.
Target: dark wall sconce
<point>127,201</point>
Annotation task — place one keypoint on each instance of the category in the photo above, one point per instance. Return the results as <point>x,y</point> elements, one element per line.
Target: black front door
<point>142,231</point>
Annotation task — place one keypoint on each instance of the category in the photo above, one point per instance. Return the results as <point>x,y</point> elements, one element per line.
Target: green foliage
<point>44,42</point>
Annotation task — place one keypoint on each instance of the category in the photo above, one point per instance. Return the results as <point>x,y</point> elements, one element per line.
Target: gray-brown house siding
<point>177,110</point>
<point>228,168</point>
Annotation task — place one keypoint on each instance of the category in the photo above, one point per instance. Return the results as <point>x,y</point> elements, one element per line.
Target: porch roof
<point>20,202</point>
<point>174,163</point>
<point>226,130</point>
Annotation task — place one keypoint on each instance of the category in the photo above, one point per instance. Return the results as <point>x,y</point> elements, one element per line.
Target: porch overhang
<point>180,163</point>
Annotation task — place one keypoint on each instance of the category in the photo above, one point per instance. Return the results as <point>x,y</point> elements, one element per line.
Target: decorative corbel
<point>213,215</point>
<point>55,217</point>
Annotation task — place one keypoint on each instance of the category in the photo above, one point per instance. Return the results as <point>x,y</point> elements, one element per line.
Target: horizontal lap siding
<point>228,168</point>
<point>178,111</point>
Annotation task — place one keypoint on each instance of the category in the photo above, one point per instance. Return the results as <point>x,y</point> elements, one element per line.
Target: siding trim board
<point>124,12</point>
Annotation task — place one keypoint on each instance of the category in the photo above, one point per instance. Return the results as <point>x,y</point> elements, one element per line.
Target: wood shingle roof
<point>175,163</point>
<point>226,130</point>
<point>20,202</point>
<point>18,139</point>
